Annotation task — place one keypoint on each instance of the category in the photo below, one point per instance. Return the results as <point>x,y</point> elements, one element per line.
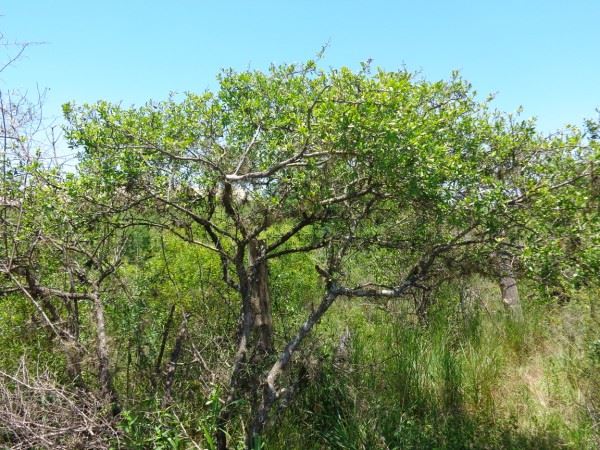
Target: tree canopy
<point>378,184</point>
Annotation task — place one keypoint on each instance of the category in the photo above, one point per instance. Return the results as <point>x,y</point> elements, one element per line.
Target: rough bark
<point>102,349</point>
<point>508,286</point>
<point>255,334</point>
<point>510,296</point>
<point>260,298</point>
<point>423,301</point>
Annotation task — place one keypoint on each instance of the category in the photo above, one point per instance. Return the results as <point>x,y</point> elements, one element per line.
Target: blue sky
<point>542,55</point>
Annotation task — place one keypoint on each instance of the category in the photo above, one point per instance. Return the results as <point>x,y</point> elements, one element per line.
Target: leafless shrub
<point>37,412</point>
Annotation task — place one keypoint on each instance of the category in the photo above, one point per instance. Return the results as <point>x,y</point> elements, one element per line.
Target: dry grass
<point>38,412</point>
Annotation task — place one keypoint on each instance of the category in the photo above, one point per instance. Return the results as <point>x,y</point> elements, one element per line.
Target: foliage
<point>199,267</point>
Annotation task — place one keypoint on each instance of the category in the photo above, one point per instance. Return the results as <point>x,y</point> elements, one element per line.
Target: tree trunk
<point>163,341</point>
<point>172,366</point>
<point>255,334</point>
<point>260,298</point>
<point>423,301</point>
<point>104,374</point>
<point>510,296</point>
<point>508,285</point>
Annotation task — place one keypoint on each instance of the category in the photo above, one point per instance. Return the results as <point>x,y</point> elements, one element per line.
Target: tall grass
<point>470,378</point>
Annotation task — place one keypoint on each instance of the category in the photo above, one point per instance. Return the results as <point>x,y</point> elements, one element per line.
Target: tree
<point>344,166</point>
<point>50,263</point>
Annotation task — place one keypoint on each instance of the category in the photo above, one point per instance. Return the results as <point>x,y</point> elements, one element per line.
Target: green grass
<point>463,381</point>
<point>471,378</point>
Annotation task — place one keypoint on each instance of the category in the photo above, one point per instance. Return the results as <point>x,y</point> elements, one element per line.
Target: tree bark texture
<point>260,297</point>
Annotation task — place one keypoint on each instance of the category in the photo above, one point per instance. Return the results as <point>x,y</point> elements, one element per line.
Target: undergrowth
<point>469,378</point>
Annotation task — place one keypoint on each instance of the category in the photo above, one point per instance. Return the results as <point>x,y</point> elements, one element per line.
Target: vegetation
<point>302,259</point>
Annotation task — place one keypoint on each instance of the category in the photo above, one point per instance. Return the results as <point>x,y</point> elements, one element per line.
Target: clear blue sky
<point>543,55</point>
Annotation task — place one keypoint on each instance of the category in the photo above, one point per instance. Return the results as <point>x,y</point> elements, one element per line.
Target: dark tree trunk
<point>255,334</point>
<point>422,303</point>
<point>175,354</point>
<point>260,297</point>
<point>163,341</point>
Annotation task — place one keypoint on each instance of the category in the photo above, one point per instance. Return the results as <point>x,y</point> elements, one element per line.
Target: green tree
<point>349,167</point>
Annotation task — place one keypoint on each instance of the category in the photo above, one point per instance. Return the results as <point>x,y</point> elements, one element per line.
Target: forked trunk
<point>255,336</point>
